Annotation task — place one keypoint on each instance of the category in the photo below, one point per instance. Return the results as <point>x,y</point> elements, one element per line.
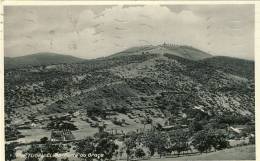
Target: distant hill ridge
<point>44,58</point>
<point>183,51</point>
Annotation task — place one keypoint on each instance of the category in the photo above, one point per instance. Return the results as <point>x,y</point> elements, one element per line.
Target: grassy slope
<point>237,153</point>
<point>39,59</point>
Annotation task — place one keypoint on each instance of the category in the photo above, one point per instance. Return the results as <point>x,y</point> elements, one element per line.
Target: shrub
<point>252,140</point>
<point>10,152</point>
<point>139,153</point>
<point>44,140</point>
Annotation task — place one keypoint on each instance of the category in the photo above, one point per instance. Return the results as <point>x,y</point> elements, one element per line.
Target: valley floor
<point>236,153</point>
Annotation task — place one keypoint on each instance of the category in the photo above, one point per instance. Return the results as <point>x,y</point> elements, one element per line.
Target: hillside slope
<point>164,82</point>
<point>239,67</point>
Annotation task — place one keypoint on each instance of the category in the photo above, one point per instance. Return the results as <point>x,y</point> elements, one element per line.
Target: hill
<point>123,90</point>
<point>39,59</point>
<point>168,81</point>
<point>183,51</point>
<point>239,67</point>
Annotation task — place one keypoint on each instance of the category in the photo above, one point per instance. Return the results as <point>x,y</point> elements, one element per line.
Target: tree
<point>219,139</point>
<point>51,149</point>
<point>65,159</point>
<point>196,126</point>
<point>155,141</point>
<point>204,140</point>
<point>101,144</point>
<point>179,140</point>
<point>139,153</point>
<point>130,143</point>
<point>201,141</point>
<point>107,147</point>
<point>11,133</point>
<point>252,139</point>
<point>86,146</point>
<point>32,117</point>
<point>158,126</point>
<point>49,159</point>
<point>10,152</point>
<point>97,109</point>
<point>44,140</point>
<point>33,150</point>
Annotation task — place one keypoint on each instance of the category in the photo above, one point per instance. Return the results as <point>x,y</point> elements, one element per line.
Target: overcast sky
<point>96,31</point>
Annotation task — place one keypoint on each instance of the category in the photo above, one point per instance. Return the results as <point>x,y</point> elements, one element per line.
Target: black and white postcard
<point>129,81</point>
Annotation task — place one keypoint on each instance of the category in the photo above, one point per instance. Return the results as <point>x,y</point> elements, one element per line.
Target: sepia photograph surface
<point>129,82</point>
